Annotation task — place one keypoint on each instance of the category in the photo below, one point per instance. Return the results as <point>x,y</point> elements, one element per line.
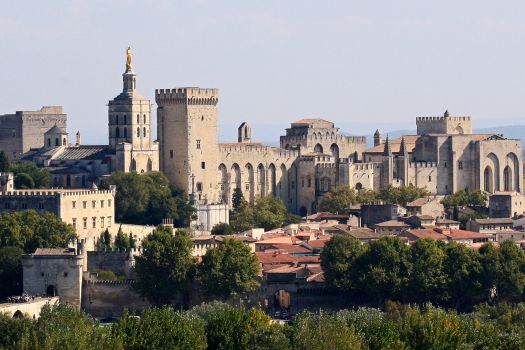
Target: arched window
<point>56,142</point>
<point>117,132</point>
<point>488,179</point>
<point>145,119</point>
<point>64,142</point>
<point>49,142</point>
<point>125,132</point>
<point>116,119</point>
<point>125,119</point>
<point>507,179</point>
<point>138,131</point>
<point>318,148</point>
<point>144,132</point>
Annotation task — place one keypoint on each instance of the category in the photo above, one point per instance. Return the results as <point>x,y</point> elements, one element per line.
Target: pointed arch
<point>493,163</point>
<point>283,184</point>
<point>507,178</point>
<point>261,175</point>
<point>273,180</point>
<point>133,165</point>
<point>250,182</point>
<point>511,160</point>
<point>334,150</point>
<point>318,148</point>
<point>236,175</point>
<point>488,179</point>
<point>223,185</point>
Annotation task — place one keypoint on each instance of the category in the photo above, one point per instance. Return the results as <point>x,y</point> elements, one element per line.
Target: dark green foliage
<point>104,241</point>
<point>338,200</point>
<point>4,162</point>
<point>122,241</point>
<point>465,198</point>
<point>147,199</point>
<point>323,332</point>
<point>28,175</point>
<point>337,260</point>
<point>10,271</point>
<point>268,212</point>
<point>228,269</point>
<point>161,329</point>
<point>402,195</point>
<point>237,198</point>
<point>222,229</point>
<point>166,267</point>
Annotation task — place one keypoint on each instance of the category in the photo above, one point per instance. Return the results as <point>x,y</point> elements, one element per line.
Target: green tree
<point>338,200</point>
<point>462,266</point>
<point>465,198</point>
<point>402,195</point>
<point>511,277</point>
<point>222,229</point>
<point>366,196</point>
<point>10,271</point>
<point>233,327</point>
<point>337,260</point>
<point>237,198</point>
<point>28,175</point>
<point>147,199</point>
<point>166,267</point>
<point>323,332</point>
<point>428,281</point>
<point>241,218</point>
<point>383,269</point>
<point>121,240</point>
<point>104,241</point>
<point>269,213</point>
<point>230,268</point>
<point>161,328</point>
<point>4,162</point>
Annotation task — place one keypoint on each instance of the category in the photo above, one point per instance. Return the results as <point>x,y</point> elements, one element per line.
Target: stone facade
<point>24,130</point>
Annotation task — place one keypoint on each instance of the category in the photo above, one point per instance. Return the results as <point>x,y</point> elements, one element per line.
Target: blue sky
<point>361,64</point>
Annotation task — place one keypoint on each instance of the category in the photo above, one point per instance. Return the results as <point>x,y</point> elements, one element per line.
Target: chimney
<point>77,139</point>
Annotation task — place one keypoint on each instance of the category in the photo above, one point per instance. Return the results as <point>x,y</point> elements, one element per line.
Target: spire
<point>129,76</point>
<point>387,150</point>
<point>377,138</point>
<point>403,148</point>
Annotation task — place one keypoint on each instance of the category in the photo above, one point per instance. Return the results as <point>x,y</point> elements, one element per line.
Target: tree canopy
<point>28,175</point>
<point>166,267</point>
<point>230,268</point>
<point>147,199</point>
<point>465,198</point>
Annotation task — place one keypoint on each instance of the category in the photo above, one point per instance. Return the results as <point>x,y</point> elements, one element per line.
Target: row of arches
<point>254,182</point>
<point>496,180</point>
<point>319,136</point>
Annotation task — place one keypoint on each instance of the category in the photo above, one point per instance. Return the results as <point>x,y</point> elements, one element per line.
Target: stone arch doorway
<point>51,291</point>
<point>318,148</point>
<point>18,314</point>
<point>358,186</point>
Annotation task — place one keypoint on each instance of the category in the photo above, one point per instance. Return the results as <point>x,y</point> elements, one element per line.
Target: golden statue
<point>129,56</point>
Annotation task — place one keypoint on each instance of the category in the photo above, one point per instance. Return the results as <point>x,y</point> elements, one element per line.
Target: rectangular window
<point>74,203</point>
<point>74,221</point>
<point>85,223</point>
<point>247,187</point>
<point>40,205</point>
<point>102,221</point>
<point>109,202</point>
<point>109,221</point>
<point>309,182</point>
<point>445,164</point>
<point>198,144</point>
<point>94,222</point>
<point>84,204</point>
<point>429,178</point>
<point>171,153</point>
<point>203,165</point>
<point>460,165</point>
<point>93,203</point>
<point>102,204</point>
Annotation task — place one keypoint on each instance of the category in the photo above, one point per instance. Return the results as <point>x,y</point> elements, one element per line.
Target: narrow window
<point>94,222</point>
<point>171,153</point>
<point>102,222</point>
<point>144,132</point>
<point>138,119</point>
<point>198,144</point>
<point>93,203</point>
<point>74,204</point>
<point>429,178</point>
<point>102,204</point>
<point>109,221</point>
<point>203,165</point>
<point>75,223</point>
<point>145,119</point>
<point>85,223</point>
<point>84,204</point>
<point>460,165</point>
<point>126,132</point>
<point>125,119</point>
<point>40,205</point>
<point>138,132</point>
<point>109,202</point>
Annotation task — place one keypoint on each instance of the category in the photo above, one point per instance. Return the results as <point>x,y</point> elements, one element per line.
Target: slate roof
<point>84,152</point>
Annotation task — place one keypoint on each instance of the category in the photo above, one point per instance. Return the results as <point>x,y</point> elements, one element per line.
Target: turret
<point>387,151</point>
<point>77,139</point>
<point>244,133</point>
<point>377,138</point>
<point>55,137</point>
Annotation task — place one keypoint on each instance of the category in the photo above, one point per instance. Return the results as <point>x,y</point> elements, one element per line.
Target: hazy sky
<point>361,64</point>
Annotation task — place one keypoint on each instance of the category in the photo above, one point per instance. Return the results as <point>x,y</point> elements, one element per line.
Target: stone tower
<point>130,127</point>
<point>187,131</point>
<point>55,137</point>
<point>377,138</point>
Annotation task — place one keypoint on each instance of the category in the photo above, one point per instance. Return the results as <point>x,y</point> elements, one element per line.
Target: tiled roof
<point>284,258</point>
<point>280,240</point>
<point>54,251</point>
<point>392,223</point>
<point>420,202</point>
<point>445,221</point>
<point>84,152</point>
<point>494,221</point>
<point>395,144</point>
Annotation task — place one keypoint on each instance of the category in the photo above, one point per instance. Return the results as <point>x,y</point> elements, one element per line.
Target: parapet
<point>187,95</point>
<point>44,110</point>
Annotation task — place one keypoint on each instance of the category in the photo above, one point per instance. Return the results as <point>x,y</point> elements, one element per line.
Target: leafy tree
<point>132,241</point>
<point>4,162</point>
<point>462,266</point>
<point>366,196</point>
<point>230,268</point>
<point>28,175</point>
<point>511,276</point>
<point>466,216</point>
<point>338,200</point>
<point>166,267</point>
<point>10,271</point>
<point>222,229</point>
<point>147,199</point>
<point>323,332</point>
<point>237,198</point>
<point>402,195</point>
<point>104,241</point>
<point>428,281</point>
<point>465,198</point>
<point>161,328</point>
<point>122,241</point>
<point>384,269</point>
<point>337,260</point>
<point>269,213</point>
<point>233,327</point>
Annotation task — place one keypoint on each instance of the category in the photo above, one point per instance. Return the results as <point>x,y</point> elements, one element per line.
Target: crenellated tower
<point>187,131</point>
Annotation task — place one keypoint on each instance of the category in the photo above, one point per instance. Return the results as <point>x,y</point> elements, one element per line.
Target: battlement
<point>56,192</point>
<point>445,124</point>
<point>429,119</point>
<point>187,95</point>
<point>44,110</point>
<point>366,166</point>
<point>251,148</point>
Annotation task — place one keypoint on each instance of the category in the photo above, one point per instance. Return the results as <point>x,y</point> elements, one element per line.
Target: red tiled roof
<point>284,258</point>
<point>55,251</point>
